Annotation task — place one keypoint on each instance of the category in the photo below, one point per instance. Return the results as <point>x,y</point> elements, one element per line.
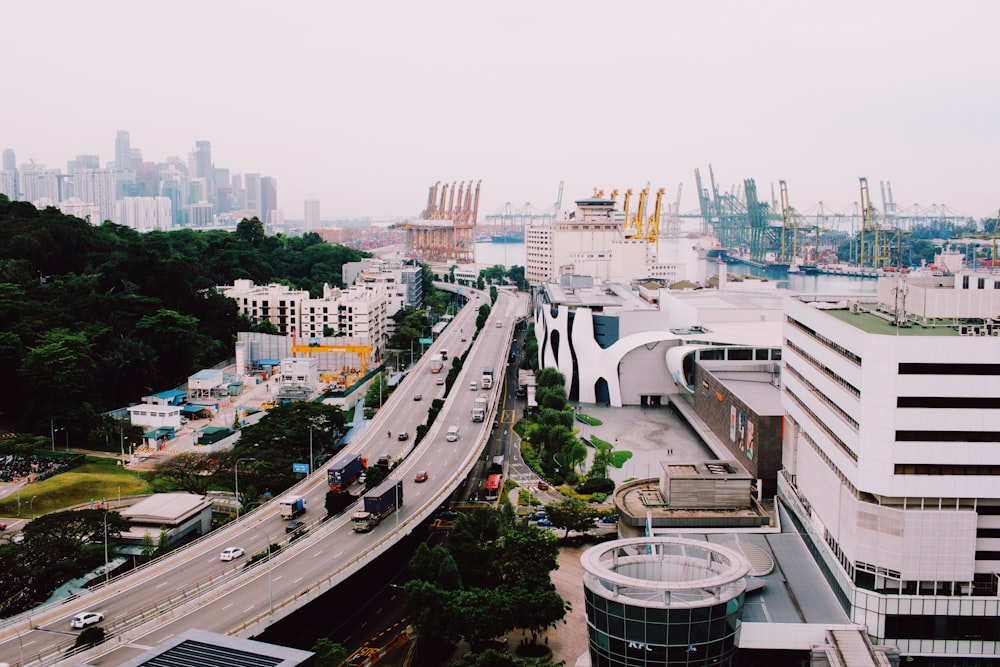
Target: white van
<point>473,386</point>
<point>452,435</point>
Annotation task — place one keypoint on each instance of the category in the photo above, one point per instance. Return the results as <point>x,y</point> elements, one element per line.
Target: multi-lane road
<point>191,588</point>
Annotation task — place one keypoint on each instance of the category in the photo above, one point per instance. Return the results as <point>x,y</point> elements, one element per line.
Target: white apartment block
<point>96,186</point>
<point>144,214</point>
<point>311,214</point>
<point>356,313</point>
<point>8,184</point>
<point>892,457</point>
<point>277,303</point>
<point>81,209</point>
<point>591,241</point>
<point>401,282</point>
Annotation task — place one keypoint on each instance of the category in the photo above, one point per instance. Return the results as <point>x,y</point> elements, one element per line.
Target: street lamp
<point>236,481</point>
<point>106,575</point>
<point>52,432</point>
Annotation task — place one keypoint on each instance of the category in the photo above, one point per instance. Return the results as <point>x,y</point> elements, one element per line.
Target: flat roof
<point>164,507</point>
<point>211,649</point>
<point>870,323</point>
<point>754,389</point>
<point>209,374</point>
<point>173,393</point>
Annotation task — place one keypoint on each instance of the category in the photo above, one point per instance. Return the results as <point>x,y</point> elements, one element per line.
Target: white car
<point>440,380</point>
<point>86,618</point>
<point>229,553</point>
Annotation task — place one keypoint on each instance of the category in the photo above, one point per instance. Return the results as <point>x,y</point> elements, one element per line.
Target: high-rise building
<point>96,186</point>
<point>80,209</point>
<point>268,197</point>
<point>239,193</point>
<point>312,215</point>
<point>144,214</point>
<point>252,187</point>
<point>123,151</point>
<point>891,457</point>
<point>83,162</point>
<point>147,179</point>
<point>41,186</point>
<point>8,183</point>
<point>9,160</point>
<point>171,189</point>
<point>201,215</point>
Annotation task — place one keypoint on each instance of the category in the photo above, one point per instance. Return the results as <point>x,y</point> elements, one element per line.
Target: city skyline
<point>364,108</point>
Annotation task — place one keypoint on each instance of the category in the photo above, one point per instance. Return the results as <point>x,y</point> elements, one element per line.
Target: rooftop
<point>868,321</point>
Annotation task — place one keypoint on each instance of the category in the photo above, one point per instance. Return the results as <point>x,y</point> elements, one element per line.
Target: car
<point>610,519</point>
<point>446,514</point>
<point>229,553</point>
<point>543,523</point>
<point>473,386</point>
<point>464,339</point>
<point>293,526</point>
<point>499,325</point>
<point>403,435</point>
<point>421,476</point>
<point>418,397</point>
<point>440,380</point>
<point>536,516</point>
<point>86,618</point>
<point>543,485</point>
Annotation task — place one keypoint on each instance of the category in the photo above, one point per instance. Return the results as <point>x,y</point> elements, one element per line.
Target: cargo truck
<point>479,408</point>
<point>379,503</point>
<point>345,471</point>
<point>487,377</point>
<point>292,506</point>
<point>437,363</point>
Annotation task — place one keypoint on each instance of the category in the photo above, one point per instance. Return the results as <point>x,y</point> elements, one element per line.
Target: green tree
<point>192,472</point>
<point>378,392</point>
<point>435,565</point>
<point>251,231</point>
<point>571,514</point>
<point>328,653</point>
<point>338,501</point>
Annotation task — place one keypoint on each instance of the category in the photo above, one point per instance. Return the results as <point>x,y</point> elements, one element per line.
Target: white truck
<point>487,377</point>
<point>479,408</point>
<point>291,506</point>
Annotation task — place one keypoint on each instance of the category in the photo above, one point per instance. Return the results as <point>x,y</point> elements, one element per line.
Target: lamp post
<point>106,575</point>
<point>236,483</point>
<point>310,451</point>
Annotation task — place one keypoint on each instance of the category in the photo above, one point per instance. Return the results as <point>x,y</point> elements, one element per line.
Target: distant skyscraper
<point>83,162</point>
<point>201,215</point>
<point>42,186</point>
<point>171,189</point>
<point>96,186</point>
<point>147,179</point>
<point>312,215</point>
<point>123,151</point>
<point>9,160</point>
<point>8,183</point>
<point>252,189</point>
<point>268,196</point>
<point>239,193</point>
<point>144,214</point>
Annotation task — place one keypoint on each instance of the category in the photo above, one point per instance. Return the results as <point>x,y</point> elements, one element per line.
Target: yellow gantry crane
<point>653,224</point>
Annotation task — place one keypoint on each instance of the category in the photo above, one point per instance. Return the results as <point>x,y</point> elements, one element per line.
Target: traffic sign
<point>300,467</point>
<point>426,341</point>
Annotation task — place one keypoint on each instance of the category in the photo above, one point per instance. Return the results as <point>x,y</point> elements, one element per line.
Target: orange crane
<point>628,197</point>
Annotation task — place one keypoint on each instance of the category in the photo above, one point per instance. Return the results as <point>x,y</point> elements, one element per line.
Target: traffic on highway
<point>217,584</point>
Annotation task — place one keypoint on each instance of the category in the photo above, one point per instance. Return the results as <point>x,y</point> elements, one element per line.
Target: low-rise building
<point>180,516</point>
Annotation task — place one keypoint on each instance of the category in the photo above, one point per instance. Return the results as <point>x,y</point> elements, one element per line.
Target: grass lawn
<point>95,480</point>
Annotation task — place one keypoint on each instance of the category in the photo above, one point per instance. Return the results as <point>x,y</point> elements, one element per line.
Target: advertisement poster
<point>732,424</point>
<point>750,443</point>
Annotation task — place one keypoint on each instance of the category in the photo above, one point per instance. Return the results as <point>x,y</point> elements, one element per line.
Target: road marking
<point>228,606</point>
<point>249,608</point>
<point>298,580</point>
<point>165,583</point>
<point>278,577</point>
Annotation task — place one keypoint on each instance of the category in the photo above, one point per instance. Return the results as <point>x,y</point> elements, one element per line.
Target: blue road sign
<point>300,467</point>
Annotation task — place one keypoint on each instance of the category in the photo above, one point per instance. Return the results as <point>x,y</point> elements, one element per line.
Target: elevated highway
<point>191,588</point>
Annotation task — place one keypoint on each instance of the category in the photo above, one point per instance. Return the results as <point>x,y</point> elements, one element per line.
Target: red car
<point>421,476</point>
<point>543,485</point>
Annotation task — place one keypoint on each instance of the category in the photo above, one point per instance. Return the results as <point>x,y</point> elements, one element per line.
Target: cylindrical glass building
<point>663,601</point>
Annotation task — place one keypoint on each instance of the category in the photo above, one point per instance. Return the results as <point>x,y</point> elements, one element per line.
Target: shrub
<point>89,636</point>
<point>595,485</point>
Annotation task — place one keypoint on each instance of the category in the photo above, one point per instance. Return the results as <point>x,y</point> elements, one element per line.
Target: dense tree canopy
<point>94,317</point>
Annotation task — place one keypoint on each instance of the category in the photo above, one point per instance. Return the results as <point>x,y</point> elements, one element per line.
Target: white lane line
<point>248,608</point>
<point>165,583</point>
<point>228,606</point>
<point>277,577</point>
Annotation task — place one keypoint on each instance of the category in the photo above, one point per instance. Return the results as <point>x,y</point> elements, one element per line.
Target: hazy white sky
<point>364,105</point>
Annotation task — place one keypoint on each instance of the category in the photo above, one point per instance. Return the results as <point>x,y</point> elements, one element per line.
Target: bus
<point>496,468</point>
<point>493,487</point>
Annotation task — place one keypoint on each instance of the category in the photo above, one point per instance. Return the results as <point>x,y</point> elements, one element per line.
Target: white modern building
<point>157,411</point>
<point>80,209</point>
<point>8,183</point>
<point>627,346</point>
<point>892,457</point>
<point>144,214</point>
<point>96,186</point>
<point>311,215</point>
<point>401,281</point>
<point>591,241</point>
<point>277,303</point>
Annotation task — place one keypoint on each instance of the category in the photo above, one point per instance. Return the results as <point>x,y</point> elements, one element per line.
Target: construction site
<point>446,230</point>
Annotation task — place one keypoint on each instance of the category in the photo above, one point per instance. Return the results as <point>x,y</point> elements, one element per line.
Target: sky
<point>365,105</point>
